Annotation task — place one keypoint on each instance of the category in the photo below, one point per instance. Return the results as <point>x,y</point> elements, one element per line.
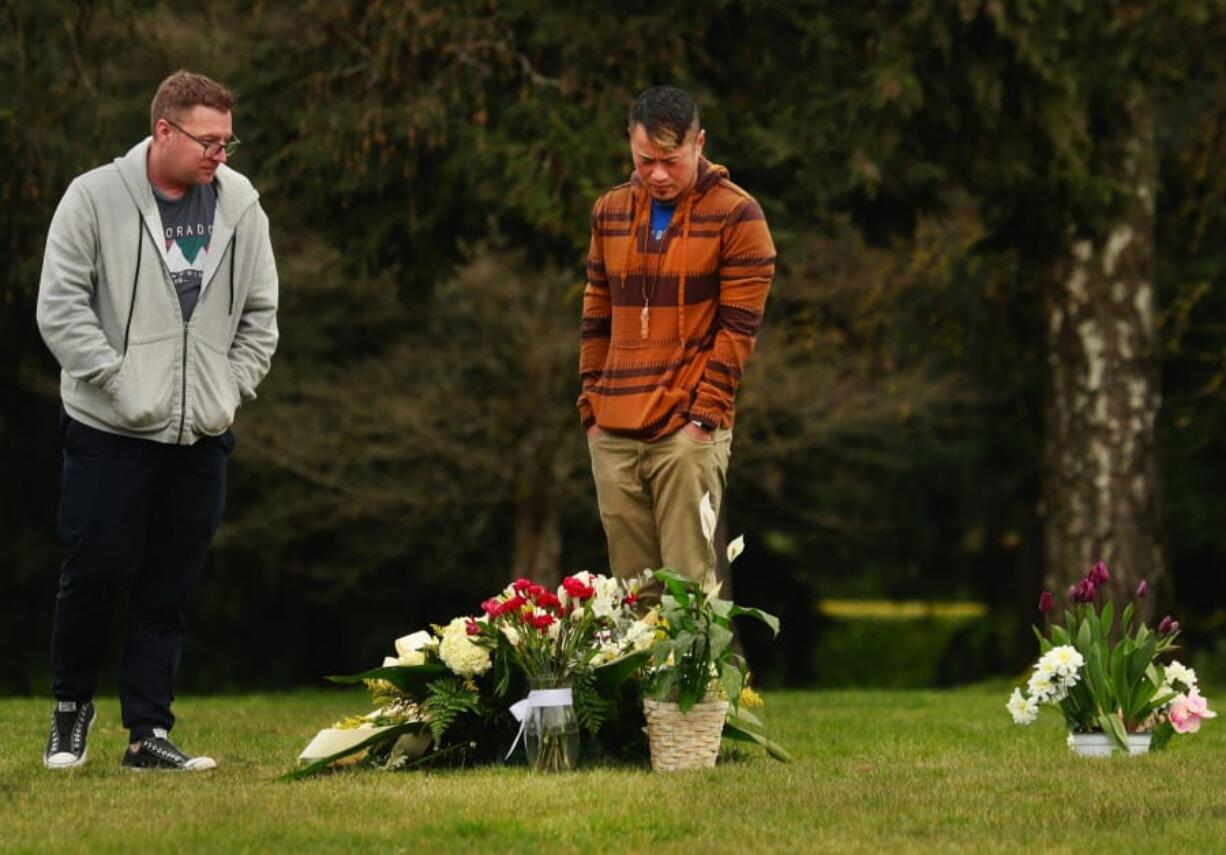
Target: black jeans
<point>137,517</point>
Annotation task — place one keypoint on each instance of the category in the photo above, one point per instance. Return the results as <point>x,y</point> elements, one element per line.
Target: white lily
<point>706,512</point>
<point>736,548</point>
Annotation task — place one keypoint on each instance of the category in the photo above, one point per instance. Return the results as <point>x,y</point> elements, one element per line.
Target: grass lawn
<point>876,771</point>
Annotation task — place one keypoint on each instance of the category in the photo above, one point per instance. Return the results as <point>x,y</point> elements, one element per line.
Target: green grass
<point>876,771</point>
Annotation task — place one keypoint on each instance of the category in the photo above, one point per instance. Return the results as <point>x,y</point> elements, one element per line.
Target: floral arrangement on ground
<point>452,694</point>
<point>1108,678</point>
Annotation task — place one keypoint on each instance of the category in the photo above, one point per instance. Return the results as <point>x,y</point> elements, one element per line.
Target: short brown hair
<point>183,90</point>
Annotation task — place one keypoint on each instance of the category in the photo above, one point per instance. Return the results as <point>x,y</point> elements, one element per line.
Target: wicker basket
<point>684,740</point>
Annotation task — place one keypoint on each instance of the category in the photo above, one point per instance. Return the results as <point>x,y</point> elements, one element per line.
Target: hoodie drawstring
<point>140,244</point>
<point>233,252</point>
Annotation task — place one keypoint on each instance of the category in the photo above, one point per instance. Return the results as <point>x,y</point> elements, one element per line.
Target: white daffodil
<point>1064,660</point>
<point>1177,672</point>
<point>706,513</point>
<point>736,548</point>
<point>1040,687</point>
<point>1024,710</point>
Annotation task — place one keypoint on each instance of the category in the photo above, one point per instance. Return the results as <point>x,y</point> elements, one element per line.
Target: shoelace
<point>166,753</point>
<point>78,735</point>
<point>55,735</point>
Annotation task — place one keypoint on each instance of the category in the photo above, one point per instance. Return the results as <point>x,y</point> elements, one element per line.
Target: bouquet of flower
<point>551,639</point>
<point>1108,678</point>
<point>455,683</point>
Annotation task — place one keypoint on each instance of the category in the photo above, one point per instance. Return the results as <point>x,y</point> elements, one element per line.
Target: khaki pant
<point>649,494</point>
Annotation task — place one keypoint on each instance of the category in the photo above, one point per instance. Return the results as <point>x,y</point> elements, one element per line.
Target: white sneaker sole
<point>52,763</point>
<point>196,764</point>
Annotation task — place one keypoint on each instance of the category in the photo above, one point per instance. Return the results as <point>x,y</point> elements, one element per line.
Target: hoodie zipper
<point>183,392</point>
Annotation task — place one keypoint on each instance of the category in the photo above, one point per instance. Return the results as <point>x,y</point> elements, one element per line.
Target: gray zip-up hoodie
<point>109,312</point>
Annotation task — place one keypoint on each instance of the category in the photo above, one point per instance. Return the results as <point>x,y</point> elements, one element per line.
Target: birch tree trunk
<point>1101,485</point>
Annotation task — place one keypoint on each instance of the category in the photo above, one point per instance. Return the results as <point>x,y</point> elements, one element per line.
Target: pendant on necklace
<point>643,315</point>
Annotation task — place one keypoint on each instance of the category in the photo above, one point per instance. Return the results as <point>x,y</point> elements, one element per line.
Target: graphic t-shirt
<point>661,216</point>
<point>187,227</point>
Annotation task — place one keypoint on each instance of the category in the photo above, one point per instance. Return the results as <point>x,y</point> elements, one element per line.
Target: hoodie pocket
<point>143,390</point>
<point>215,394</point>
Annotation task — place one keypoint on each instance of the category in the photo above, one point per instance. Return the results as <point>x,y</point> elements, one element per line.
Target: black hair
<point>666,113</point>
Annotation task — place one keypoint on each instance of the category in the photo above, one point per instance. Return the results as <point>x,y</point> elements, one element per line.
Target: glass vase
<point>551,731</point>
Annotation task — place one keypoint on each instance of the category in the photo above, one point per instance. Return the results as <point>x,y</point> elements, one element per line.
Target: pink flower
<point>492,607</point>
<point>1143,590</point>
<point>1098,574</point>
<point>1188,710</point>
<point>1168,626</point>
<point>472,627</point>
<point>1046,601</point>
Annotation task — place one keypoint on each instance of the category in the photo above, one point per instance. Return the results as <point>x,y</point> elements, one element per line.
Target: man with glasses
<point>158,298</point>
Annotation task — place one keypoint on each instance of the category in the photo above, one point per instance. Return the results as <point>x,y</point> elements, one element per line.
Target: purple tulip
<point>1086,591</point>
<point>1072,594</point>
<point>1143,590</point>
<point>1046,602</point>
<point>1168,626</point>
<point>1098,574</point>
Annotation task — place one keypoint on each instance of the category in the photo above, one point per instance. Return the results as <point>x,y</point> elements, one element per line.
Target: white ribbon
<point>538,699</point>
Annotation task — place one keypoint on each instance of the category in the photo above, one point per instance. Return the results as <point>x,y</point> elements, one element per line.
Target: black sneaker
<point>70,726</point>
<point>158,752</point>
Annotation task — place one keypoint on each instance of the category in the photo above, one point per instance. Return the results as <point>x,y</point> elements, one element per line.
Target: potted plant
<point>694,675</point>
<point>1107,679</point>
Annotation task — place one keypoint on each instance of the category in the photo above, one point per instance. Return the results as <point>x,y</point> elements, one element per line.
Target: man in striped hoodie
<point>679,266</point>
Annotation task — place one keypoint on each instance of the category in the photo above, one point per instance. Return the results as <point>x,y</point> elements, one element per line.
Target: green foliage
<point>447,699</point>
<point>698,644</point>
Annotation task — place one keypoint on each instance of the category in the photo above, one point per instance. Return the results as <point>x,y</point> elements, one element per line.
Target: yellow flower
<point>750,699</point>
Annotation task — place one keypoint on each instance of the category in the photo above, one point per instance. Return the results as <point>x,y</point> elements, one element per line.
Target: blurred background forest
<point>994,350</point>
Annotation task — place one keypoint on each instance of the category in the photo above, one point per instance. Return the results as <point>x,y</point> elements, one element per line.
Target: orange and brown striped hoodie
<point>704,286</point>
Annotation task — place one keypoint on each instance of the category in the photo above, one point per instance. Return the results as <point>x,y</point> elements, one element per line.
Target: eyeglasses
<point>211,149</point>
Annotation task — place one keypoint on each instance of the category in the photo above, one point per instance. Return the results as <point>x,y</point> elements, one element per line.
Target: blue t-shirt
<point>661,216</point>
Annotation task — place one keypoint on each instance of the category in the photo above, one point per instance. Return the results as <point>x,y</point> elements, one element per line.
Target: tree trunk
<point>537,550</point>
<point>1101,486</point>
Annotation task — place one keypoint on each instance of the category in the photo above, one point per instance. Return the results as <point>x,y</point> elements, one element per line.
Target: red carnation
<point>513,604</point>
<point>472,627</point>
<point>541,622</point>
<point>548,599</point>
<point>533,591</point>
<point>492,607</point>
<point>521,584</point>
<point>577,589</point>
<point>631,599</point>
